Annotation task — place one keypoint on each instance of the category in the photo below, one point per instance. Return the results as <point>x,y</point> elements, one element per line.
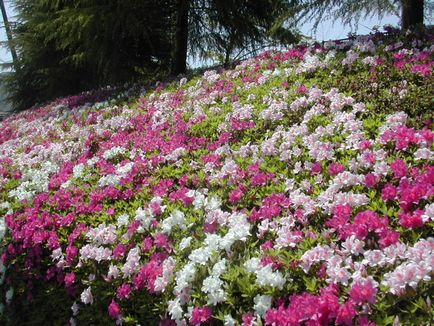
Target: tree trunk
<point>9,34</point>
<point>181,38</point>
<point>412,13</point>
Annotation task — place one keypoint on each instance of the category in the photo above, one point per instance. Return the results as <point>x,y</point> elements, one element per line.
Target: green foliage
<point>69,46</point>
<point>227,30</point>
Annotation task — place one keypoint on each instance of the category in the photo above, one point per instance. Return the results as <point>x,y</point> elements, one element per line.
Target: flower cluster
<point>276,193</point>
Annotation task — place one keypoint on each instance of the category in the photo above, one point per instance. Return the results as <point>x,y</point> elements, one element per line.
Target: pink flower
<point>422,69</point>
<point>248,319</point>
<point>365,144</point>
<point>237,194</point>
<point>114,310</point>
<point>261,178</point>
<point>71,253</point>
<point>120,250</point>
<point>346,313</point>
<point>364,321</point>
<point>389,192</point>
<point>363,292</point>
<point>162,241</point>
<point>336,168</point>
<point>411,221</point>
<point>124,291</point>
<point>388,237</point>
<point>210,227</point>
<point>147,244</point>
<point>302,89</point>
<point>267,245</point>
<point>316,168</point>
<point>200,315</point>
<point>399,168</point>
<point>370,180</point>
<point>69,279</point>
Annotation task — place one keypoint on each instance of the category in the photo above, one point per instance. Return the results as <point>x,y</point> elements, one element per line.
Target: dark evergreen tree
<point>67,46</point>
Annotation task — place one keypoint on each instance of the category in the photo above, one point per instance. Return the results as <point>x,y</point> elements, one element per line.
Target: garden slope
<point>294,189</point>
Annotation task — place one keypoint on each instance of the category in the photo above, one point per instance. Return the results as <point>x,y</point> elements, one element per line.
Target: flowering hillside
<point>295,189</point>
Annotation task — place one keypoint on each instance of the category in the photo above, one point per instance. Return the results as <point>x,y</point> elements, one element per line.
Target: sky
<point>5,55</point>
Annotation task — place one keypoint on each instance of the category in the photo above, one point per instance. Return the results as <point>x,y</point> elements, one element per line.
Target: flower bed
<point>295,189</point>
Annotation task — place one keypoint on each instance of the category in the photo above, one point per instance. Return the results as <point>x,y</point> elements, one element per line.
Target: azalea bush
<point>295,189</point>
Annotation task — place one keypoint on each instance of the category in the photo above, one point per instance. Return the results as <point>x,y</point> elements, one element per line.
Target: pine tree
<point>64,47</point>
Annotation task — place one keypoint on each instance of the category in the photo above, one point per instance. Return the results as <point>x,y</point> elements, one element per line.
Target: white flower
<point>239,230</point>
<point>145,216</point>
<point>86,296</point>
<point>65,184</point>
<point>122,220</point>
<point>213,203</point>
<point>3,228</point>
<point>199,200</point>
<point>266,276</point>
<point>176,218</point>
<point>9,295</point>
<point>213,287</point>
<point>162,281</point>
<point>56,254</point>
<point>75,308</point>
<point>423,154</point>
<point>124,169</point>
<point>109,180</point>
<point>427,215</point>
<point>253,264</point>
<point>96,253</point>
<point>132,263</point>
<point>113,272</point>
<point>353,245</point>
<point>102,234</point>
<point>184,277</point>
<point>229,321</point>
<point>78,171</point>
<point>219,268</point>
<point>201,255</point>
<point>113,152</point>
<point>185,243</point>
<point>175,309</point>
<point>262,304</point>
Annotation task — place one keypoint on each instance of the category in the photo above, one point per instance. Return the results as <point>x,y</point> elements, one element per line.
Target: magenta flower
<point>336,168</point>
<point>346,313</point>
<point>124,291</point>
<point>114,310</point>
<point>389,192</point>
<point>200,315</point>
<point>363,292</point>
<point>370,180</point>
<point>399,168</point>
<point>248,319</point>
<point>69,279</point>
<point>316,168</point>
